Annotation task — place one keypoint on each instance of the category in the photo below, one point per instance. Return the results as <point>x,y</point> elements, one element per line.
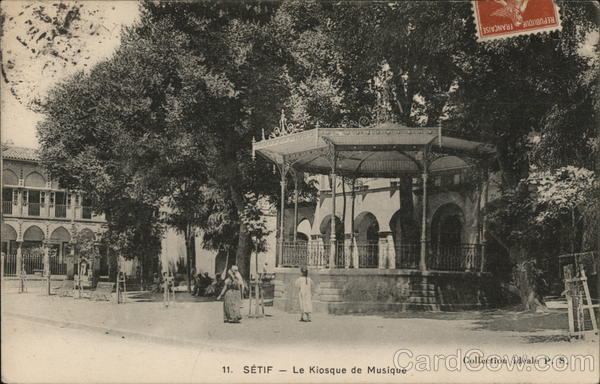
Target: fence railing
<point>60,210</point>
<point>407,256</point>
<point>466,257</point>
<point>33,262</point>
<point>57,267</point>
<point>7,207</point>
<point>33,209</point>
<point>368,255</point>
<point>10,264</point>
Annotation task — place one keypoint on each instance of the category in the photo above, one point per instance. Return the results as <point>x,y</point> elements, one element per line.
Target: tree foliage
<point>174,111</point>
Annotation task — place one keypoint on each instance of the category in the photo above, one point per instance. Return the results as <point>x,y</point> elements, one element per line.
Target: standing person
<point>304,284</point>
<point>233,290</point>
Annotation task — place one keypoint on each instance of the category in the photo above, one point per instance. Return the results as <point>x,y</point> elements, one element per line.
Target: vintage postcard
<point>300,191</point>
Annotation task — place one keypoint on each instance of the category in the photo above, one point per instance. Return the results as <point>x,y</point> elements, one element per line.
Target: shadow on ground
<point>180,297</point>
<point>552,325</point>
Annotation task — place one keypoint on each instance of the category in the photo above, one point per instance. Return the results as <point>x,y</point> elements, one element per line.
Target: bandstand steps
<point>422,287</point>
<point>422,300</point>
<point>330,298</point>
<point>326,293</point>
<point>416,293</point>
<point>330,291</point>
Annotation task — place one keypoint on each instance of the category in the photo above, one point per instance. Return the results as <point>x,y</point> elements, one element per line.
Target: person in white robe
<point>304,285</point>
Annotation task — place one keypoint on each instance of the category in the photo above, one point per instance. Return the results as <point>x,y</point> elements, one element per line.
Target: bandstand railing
<point>407,256</point>
<point>465,257</point>
<point>368,255</point>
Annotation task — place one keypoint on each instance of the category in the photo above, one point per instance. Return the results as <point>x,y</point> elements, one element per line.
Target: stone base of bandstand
<point>340,291</point>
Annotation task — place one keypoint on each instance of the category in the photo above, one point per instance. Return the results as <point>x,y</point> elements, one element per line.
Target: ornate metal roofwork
<point>385,150</point>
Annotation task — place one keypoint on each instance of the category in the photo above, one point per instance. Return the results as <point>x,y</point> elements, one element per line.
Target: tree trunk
<point>525,280</point>
<point>244,251</point>
<point>244,247</point>
<point>188,252</point>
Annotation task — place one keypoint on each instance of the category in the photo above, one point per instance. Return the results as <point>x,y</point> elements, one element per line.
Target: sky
<point>17,121</point>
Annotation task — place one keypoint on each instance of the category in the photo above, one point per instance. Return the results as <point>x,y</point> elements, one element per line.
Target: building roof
<point>20,153</point>
<point>386,150</point>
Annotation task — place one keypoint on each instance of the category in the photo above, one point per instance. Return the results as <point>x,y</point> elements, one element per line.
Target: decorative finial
<point>263,134</point>
<point>282,123</point>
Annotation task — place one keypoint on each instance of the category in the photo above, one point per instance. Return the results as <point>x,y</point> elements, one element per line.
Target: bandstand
<point>435,258</point>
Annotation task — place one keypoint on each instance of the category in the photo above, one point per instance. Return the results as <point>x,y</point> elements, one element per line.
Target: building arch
<point>325,228</point>
<point>61,234</point>
<point>405,229</point>
<point>366,229</point>
<point>9,178</point>
<point>303,230</point>
<point>87,233</point>
<point>448,227</point>
<point>8,233</point>
<point>35,180</point>
<point>33,237</point>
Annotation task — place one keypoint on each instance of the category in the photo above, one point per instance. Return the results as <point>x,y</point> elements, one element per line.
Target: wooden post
<point>47,267</point>
<point>118,279</point>
<point>20,267</point>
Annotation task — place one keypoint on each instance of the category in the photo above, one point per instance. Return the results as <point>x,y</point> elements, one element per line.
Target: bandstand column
<point>471,263</point>
<point>295,207</point>
<point>282,216</point>
<point>391,251</point>
<point>332,239</point>
<point>423,258</point>
<point>382,251</point>
<point>347,250</point>
<point>484,223</point>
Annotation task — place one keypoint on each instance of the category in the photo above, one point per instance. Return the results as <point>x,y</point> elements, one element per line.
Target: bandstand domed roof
<point>386,150</point>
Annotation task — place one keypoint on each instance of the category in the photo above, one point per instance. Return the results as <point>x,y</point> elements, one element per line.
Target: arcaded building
<point>39,216</point>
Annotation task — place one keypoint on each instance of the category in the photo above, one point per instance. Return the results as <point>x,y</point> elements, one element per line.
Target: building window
<point>33,203</point>
<point>60,209</point>
<point>86,209</point>
<point>7,200</point>
<point>456,179</point>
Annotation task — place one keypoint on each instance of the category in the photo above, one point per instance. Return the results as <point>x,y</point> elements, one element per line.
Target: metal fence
<point>368,255</point>
<point>10,264</point>
<point>33,209</point>
<point>7,207</point>
<point>466,257</point>
<point>407,256</point>
<point>33,261</point>
<point>57,267</point>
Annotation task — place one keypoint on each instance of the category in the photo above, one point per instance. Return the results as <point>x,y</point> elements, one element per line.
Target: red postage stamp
<point>496,19</point>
